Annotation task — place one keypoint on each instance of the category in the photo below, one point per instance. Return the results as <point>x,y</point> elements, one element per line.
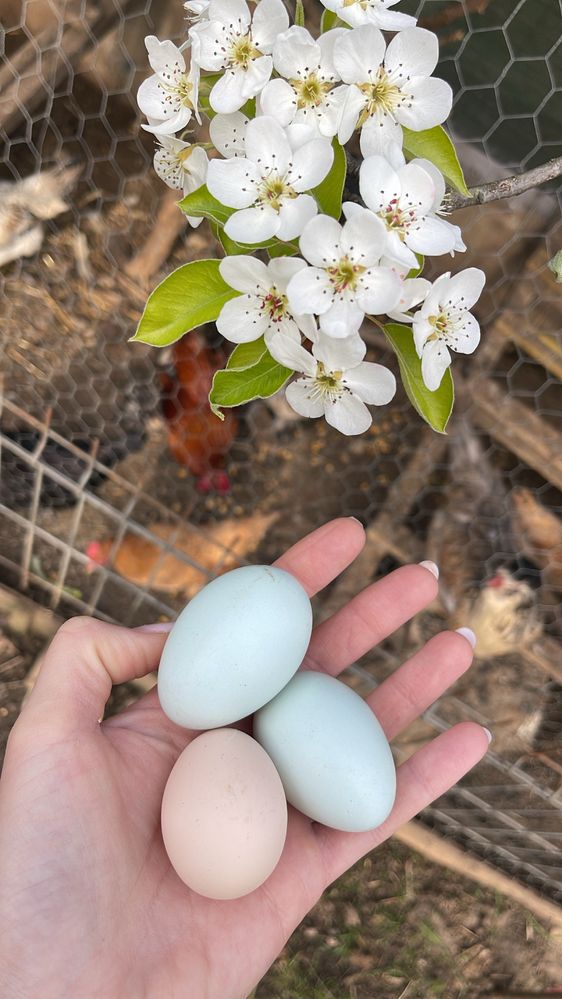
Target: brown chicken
<point>213,550</point>
<point>196,437</point>
<point>540,534</point>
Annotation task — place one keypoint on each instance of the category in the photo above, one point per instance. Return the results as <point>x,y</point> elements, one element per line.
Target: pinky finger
<point>420,780</point>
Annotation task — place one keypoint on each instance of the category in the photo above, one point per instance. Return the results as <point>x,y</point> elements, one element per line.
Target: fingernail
<point>160,626</point>
<point>431,567</point>
<point>357,521</point>
<point>468,634</point>
<point>488,734</point>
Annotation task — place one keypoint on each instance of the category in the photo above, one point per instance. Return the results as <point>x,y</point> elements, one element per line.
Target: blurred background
<point>120,497</point>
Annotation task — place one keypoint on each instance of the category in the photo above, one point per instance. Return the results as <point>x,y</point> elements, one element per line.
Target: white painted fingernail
<point>357,521</point>
<point>488,734</point>
<point>432,567</point>
<point>468,634</point>
<point>160,626</point>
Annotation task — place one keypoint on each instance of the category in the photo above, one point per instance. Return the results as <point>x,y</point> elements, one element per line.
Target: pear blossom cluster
<point>279,102</point>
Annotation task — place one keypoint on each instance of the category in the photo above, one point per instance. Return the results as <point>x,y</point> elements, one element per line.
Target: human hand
<point>89,903</point>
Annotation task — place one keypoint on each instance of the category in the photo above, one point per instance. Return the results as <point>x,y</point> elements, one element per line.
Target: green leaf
<point>245,355</point>
<point>331,20</point>
<point>192,295</point>
<point>299,14</point>
<point>329,193</point>
<point>435,145</point>
<point>279,249</point>
<point>202,205</point>
<point>416,271</point>
<point>434,407</point>
<point>233,386</point>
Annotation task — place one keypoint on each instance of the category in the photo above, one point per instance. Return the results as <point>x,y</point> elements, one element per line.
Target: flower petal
<point>233,182</point>
<point>464,289</point>
<point>342,319</point>
<point>285,350</point>
<point>300,396</point>
<point>432,236</point>
<point>311,163</point>
<point>327,43</point>
<point>231,12</point>
<point>375,142</point>
<point>435,361</point>
<point>310,292</point>
<point>466,335</point>
<point>437,178</point>
<point>267,145</point>
<point>398,253</point>
<point>359,53</point>
<point>269,21</point>
<point>245,273</point>
<point>294,215</point>
<point>286,328</point>
<point>227,132</point>
<point>252,225</point>
<point>227,95</point>
<point>255,77</point>
<point>352,107</point>
<point>373,383</point>
<point>208,40</point>
<point>363,238</point>
<point>339,355</point>
<point>282,269</point>
<point>379,183</point>
<point>413,52</point>
<point>242,319</point>
<point>320,241</point>
<point>295,53</point>
<point>379,290</point>
<point>421,330</point>
<point>164,57</point>
<point>278,100</point>
<point>418,189</point>
<point>348,415</point>
<point>431,102</point>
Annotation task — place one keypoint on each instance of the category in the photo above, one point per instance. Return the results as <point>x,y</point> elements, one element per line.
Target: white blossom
<point>308,94</point>
<point>377,12</point>
<point>390,87</point>
<point>181,166</point>
<point>345,280</point>
<point>197,10</point>
<point>267,185</point>
<point>414,291</point>
<point>262,307</point>
<point>444,322</point>
<point>169,98</point>
<point>407,201</point>
<point>238,46</point>
<point>337,382</point>
<point>228,132</point>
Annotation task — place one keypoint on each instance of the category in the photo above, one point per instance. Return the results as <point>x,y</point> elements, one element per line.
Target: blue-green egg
<point>330,751</point>
<point>234,647</point>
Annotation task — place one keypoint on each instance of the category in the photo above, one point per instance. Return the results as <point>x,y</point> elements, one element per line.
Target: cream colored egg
<point>224,815</point>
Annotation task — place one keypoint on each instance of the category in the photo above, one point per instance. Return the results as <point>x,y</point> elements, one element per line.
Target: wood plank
<point>519,429</point>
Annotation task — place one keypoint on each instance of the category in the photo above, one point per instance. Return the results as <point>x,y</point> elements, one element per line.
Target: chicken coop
<point>109,502</point>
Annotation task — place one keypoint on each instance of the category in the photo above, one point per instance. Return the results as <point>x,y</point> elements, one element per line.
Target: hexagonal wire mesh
<point>99,506</point>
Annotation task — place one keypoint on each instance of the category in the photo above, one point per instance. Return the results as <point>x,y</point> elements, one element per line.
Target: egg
<point>224,815</point>
<point>330,751</point>
<point>234,647</point>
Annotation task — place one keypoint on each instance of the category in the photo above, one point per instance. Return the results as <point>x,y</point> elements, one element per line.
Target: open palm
<point>90,906</point>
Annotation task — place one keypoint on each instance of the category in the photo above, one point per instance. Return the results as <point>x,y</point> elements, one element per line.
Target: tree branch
<point>509,187</point>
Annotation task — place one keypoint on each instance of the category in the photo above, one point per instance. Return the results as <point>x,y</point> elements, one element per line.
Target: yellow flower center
<point>344,275</point>
<point>276,305</point>
<point>327,383</point>
<point>382,95</point>
<point>243,52</point>
<point>273,189</point>
<point>397,218</point>
<point>440,325</point>
<point>310,92</point>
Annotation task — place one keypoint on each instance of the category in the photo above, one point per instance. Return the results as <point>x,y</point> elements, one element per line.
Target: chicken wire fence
<point>101,512</point>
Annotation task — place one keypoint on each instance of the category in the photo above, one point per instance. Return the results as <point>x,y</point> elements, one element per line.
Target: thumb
<point>84,660</point>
